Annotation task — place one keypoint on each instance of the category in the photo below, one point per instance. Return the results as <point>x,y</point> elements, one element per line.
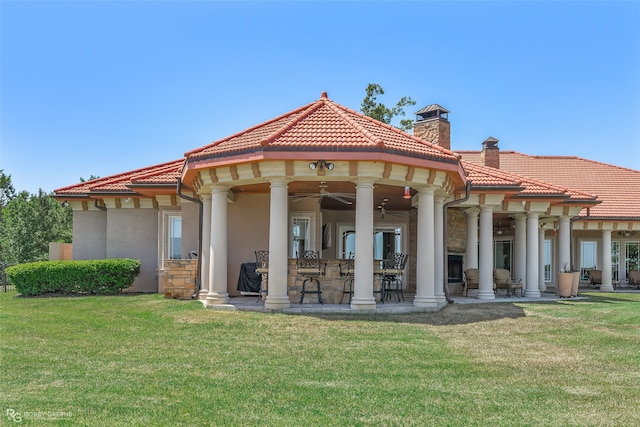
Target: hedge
<point>102,277</point>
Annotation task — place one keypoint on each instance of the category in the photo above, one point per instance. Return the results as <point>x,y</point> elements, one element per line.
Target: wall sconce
<point>127,200</point>
<point>407,193</point>
<point>320,165</point>
<point>64,204</point>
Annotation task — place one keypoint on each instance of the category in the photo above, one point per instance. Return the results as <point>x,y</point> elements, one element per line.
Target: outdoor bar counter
<point>331,283</point>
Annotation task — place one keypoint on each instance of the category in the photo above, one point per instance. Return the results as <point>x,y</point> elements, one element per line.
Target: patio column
<point>425,258</point>
<point>471,253</point>
<point>363,298</point>
<point>531,283</point>
<point>218,248</point>
<point>438,249</point>
<point>607,280</point>
<point>277,294</point>
<point>564,243</point>
<point>520,248</point>
<point>541,285</point>
<point>485,269</point>
<point>206,243</point>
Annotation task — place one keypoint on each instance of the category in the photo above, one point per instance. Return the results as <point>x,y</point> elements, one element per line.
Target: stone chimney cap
<point>432,107</point>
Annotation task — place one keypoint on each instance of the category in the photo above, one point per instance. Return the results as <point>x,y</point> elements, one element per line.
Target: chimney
<point>432,125</point>
<point>490,155</point>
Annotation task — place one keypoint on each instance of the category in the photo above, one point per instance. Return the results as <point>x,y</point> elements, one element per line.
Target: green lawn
<point>143,360</point>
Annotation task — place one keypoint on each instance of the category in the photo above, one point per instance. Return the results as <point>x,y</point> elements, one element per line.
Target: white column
<point>607,283</point>
<point>541,285</point>
<point>438,250</point>
<point>206,246</point>
<point>425,258</point>
<point>471,253</point>
<point>520,248</point>
<point>564,243</point>
<point>485,269</point>
<point>218,248</point>
<point>531,282</point>
<point>363,298</point>
<point>277,295</point>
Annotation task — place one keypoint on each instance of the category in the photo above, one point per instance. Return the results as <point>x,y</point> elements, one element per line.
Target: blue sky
<point>103,87</point>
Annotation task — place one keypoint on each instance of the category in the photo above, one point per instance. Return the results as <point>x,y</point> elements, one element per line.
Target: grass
<point>146,361</point>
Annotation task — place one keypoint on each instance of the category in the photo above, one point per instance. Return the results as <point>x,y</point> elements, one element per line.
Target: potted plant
<point>565,281</point>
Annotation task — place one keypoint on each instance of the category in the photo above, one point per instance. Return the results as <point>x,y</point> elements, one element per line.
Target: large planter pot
<point>575,282</point>
<point>565,280</point>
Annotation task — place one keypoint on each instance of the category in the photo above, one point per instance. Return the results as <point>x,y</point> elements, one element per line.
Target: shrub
<point>102,277</point>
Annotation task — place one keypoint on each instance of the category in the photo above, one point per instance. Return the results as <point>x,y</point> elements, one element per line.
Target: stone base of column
<point>532,293</point>
<point>441,300</point>
<point>606,288</point>
<point>203,294</point>
<point>425,302</point>
<point>542,288</point>
<point>273,302</point>
<point>216,298</point>
<point>363,304</point>
<point>485,295</point>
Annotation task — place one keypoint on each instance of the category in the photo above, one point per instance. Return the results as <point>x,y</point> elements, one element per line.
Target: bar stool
<point>348,272</point>
<point>310,268</point>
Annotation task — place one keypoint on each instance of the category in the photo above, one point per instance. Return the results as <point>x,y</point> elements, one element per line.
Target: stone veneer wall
<point>179,278</point>
<point>436,131</point>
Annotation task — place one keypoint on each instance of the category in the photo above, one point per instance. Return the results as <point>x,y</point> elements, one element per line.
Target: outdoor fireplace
<point>455,269</point>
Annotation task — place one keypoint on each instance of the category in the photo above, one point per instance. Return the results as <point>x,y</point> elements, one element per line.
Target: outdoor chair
<point>502,280</point>
<point>262,268</point>
<point>392,272</point>
<point>595,278</point>
<point>347,270</point>
<point>310,268</point>
<point>633,278</point>
<point>471,280</point>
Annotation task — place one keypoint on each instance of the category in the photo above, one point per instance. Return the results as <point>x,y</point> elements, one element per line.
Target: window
<point>302,233</point>
<point>170,246</point>
<point>615,260</point>
<point>386,238</point>
<point>547,260</point>
<point>503,254</point>
<point>588,258</point>
<point>632,259</point>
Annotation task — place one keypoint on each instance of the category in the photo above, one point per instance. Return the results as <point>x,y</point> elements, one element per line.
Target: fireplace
<point>455,269</point>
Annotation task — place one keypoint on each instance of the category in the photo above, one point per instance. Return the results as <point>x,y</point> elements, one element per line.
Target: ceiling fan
<point>383,210</point>
<point>322,193</point>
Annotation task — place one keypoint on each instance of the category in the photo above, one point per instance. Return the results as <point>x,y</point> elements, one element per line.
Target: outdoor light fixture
<point>64,204</point>
<point>127,200</point>
<point>407,193</point>
<point>320,165</point>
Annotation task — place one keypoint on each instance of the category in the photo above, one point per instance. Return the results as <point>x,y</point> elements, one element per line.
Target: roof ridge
<point>310,109</point>
<point>250,129</point>
<point>340,110</point>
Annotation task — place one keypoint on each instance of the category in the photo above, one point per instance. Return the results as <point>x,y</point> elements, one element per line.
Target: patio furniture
<point>471,280</point>
<point>633,278</point>
<point>595,278</point>
<point>262,268</point>
<point>310,268</point>
<point>502,280</point>
<point>347,270</point>
<point>389,273</point>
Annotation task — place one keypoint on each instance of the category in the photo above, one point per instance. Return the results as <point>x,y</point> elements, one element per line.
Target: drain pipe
<point>200,219</point>
<point>445,284</point>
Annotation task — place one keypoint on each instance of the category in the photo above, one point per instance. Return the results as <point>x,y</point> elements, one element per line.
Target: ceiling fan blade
<point>297,198</point>
<point>340,199</point>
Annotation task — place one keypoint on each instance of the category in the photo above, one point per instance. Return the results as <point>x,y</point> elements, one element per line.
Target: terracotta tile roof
<point>166,174</point>
<point>617,188</point>
<point>323,125</point>
<point>481,176</point>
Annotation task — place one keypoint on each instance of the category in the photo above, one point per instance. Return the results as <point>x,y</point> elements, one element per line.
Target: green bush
<point>102,277</point>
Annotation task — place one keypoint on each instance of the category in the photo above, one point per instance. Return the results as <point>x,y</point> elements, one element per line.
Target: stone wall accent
<point>179,278</point>
<point>436,131</point>
<point>457,230</point>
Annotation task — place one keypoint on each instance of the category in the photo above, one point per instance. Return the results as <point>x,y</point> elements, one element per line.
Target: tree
<point>7,192</point>
<point>92,177</point>
<point>381,112</point>
<point>29,223</point>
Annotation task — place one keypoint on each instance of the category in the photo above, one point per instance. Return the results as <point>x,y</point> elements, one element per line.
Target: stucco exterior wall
<point>89,235</point>
<point>190,226</point>
<point>133,233</point>
<point>248,231</point>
